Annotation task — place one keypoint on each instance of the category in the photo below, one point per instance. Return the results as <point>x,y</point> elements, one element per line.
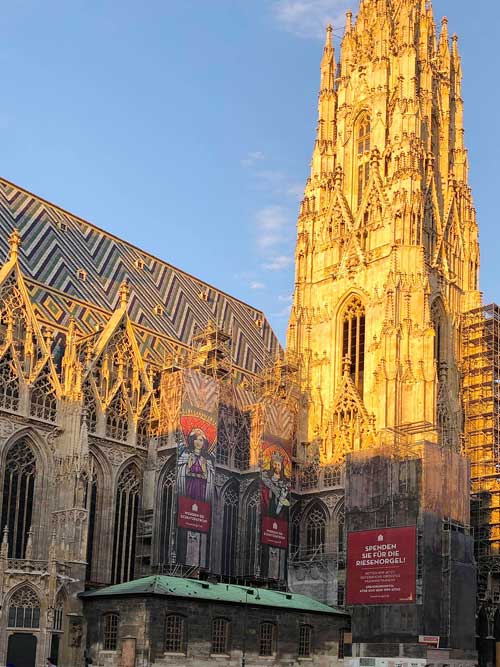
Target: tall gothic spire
<point>322,161</point>
<point>387,250</point>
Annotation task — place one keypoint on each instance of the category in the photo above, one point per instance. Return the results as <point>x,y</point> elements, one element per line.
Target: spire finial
<point>348,21</point>
<point>14,244</point>
<point>329,31</point>
<point>124,292</point>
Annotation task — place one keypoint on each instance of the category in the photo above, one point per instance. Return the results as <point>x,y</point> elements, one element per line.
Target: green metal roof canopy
<point>203,590</point>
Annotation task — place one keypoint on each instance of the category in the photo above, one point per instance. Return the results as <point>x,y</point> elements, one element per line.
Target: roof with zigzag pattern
<point>57,245</point>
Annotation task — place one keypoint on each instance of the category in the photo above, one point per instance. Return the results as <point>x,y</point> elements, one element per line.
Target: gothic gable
<point>349,427</point>
<point>25,351</point>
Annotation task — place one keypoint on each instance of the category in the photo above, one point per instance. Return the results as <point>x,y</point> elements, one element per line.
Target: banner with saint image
<point>275,475</point>
<point>196,472</point>
<point>197,440</point>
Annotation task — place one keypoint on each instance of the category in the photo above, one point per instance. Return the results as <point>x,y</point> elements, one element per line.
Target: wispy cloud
<point>277,263</point>
<point>308,18</point>
<point>252,158</point>
<point>255,284</point>
<point>273,227</point>
<point>284,312</point>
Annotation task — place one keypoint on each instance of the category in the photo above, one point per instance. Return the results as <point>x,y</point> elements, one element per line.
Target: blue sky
<point>186,126</point>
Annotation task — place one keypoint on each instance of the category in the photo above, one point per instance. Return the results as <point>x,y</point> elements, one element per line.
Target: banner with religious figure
<point>196,472</point>
<point>276,469</point>
<point>196,444</point>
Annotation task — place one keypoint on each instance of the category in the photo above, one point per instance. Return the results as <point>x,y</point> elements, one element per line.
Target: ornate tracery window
<point>117,418</point>
<point>353,341</point>
<point>295,531</point>
<point>341,532</point>
<point>9,383</point>
<point>125,530</point>
<point>332,476</point>
<point>90,483</point>
<point>18,495</point>
<point>43,401</point>
<point>362,152</point>
<point>316,530</point>
<point>233,437</point>
<point>24,609</point>
<point>252,533</point>
<point>229,529</point>
<point>223,449</point>
<point>167,509</point>
<point>143,427</point>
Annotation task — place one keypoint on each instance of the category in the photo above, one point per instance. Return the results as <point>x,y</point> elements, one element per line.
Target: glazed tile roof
<point>56,245</point>
<point>203,590</point>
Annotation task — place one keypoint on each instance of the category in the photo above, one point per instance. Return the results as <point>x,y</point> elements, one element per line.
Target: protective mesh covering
<point>446,485</point>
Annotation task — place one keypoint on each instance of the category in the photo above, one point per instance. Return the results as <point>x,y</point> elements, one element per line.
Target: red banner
<point>381,566</point>
<point>194,514</point>
<point>274,531</point>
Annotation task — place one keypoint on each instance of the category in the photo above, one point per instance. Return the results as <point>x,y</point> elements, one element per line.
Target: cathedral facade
<point>152,425</point>
<point>144,427</point>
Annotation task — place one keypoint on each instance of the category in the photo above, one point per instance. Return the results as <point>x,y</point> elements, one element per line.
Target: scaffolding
<point>481,397</point>
<point>279,379</point>
<point>210,352</point>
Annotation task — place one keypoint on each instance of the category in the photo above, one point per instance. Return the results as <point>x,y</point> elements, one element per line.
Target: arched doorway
<point>21,650</point>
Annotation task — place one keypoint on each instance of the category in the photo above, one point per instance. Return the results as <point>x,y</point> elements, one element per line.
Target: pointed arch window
<point>125,529</point>
<point>167,508</point>
<point>18,495</point>
<point>58,616</point>
<point>353,341</point>
<point>252,533</point>
<point>362,152</point>
<point>233,437</point>
<point>295,532</point>
<point>43,402</point>
<point>24,609</point>
<point>341,532</point>
<point>90,500</point>
<point>229,529</point>
<point>332,476</point>
<point>117,418</point>
<point>316,531</point>
<point>9,383</point>
<point>224,432</point>
<point>143,427</point>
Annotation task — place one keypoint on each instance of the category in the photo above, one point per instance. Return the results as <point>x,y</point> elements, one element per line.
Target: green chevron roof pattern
<point>56,245</point>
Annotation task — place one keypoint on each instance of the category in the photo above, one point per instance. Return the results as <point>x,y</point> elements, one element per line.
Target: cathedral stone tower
<point>387,262</point>
<point>387,251</point>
